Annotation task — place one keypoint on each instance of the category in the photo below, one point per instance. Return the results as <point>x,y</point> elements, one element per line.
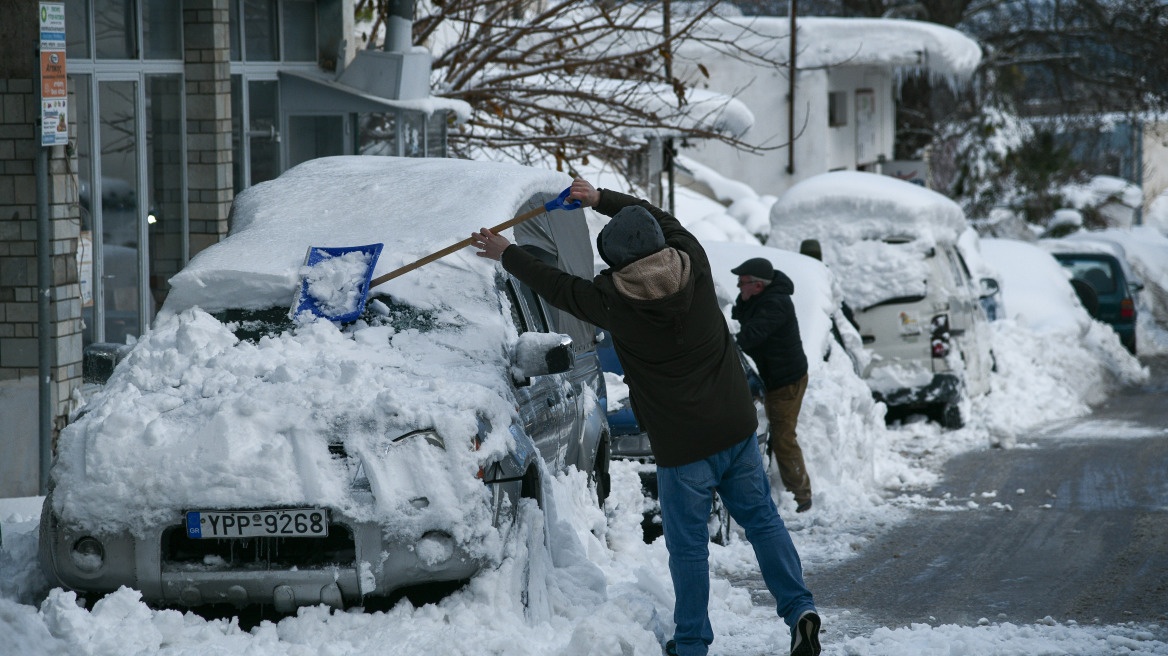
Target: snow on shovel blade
<point>335,281</point>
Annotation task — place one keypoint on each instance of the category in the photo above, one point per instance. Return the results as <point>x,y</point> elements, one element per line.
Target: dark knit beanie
<point>632,234</point>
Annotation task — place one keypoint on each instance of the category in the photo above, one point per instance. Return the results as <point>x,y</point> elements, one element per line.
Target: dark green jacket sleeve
<point>572,294</point>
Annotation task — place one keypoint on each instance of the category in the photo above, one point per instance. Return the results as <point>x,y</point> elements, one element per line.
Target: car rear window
<point>1097,273</point>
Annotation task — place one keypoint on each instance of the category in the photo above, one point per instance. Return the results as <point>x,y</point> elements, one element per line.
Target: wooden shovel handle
<point>453,247</point>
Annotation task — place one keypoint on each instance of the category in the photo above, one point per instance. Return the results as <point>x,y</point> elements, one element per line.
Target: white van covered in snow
<point>893,249</point>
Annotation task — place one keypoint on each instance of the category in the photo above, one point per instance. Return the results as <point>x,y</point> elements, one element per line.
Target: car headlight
<point>88,554</point>
<point>361,480</point>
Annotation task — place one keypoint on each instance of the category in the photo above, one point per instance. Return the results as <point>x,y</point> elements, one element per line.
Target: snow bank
<point>1053,360</point>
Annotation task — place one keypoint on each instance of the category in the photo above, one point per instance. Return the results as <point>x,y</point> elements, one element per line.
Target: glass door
<point>165,159</point>
<point>118,219</point>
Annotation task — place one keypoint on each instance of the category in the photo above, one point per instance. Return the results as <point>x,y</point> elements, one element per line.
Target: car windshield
<point>251,325</point>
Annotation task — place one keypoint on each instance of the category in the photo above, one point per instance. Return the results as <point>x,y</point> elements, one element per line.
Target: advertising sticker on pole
<point>54,87</point>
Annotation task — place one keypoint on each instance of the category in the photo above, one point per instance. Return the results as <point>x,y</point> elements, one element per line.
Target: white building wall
<point>818,147</point>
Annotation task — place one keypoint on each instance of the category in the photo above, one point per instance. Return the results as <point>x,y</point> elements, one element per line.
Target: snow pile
<point>419,206</point>
<point>1100,189</point>
<point>1157,214</point>
<point>334,283</point>
<point>1053,360</point>
<point>196,417</point>
<point>743,204</point>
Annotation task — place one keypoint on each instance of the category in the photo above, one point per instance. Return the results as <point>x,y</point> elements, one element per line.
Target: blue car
<point>631,442</point>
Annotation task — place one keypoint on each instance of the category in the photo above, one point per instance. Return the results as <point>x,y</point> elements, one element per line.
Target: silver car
<point>237,455</point>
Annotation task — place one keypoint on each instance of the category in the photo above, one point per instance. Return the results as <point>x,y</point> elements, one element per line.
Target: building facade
<point>173,107</point>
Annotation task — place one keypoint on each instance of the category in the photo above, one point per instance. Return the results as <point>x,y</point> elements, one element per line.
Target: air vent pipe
<point>399,20</point>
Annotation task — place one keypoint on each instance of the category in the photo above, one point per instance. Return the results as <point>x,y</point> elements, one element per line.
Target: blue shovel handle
<point>559,204</point>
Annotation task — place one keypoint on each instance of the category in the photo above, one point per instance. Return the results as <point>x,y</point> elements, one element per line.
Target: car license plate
<point>292,522</point>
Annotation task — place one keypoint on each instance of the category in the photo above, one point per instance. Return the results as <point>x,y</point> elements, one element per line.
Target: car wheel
<point>600,476</point>
<point>951,416</point>
<point>532,486</point>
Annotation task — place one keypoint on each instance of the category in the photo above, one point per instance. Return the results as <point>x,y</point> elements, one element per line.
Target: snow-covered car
<point>1103,266</point>
<point>241,455</point>
<point>893,249</point>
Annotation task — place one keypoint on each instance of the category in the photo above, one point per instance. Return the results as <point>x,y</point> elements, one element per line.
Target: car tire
<point>951,416</point>
<point>600,476</point>
<point>532,486</point>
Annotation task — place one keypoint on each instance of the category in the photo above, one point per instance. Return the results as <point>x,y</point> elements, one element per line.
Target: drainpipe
<point>399,19</point>
<point>44,340</point>
<point>791,95</point>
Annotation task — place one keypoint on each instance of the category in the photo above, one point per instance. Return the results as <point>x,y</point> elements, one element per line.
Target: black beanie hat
<point>632,234</point>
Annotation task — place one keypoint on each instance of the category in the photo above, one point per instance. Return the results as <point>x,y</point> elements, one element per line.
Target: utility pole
<point>668,143</point>
<point>793,9</point>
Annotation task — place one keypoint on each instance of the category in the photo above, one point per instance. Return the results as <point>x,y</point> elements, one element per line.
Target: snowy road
<point>1072,525</point>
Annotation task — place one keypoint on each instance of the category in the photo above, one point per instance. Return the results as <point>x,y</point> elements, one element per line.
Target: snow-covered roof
<point>352,95</point>
<point>826,42</point>
<point>414,206</point>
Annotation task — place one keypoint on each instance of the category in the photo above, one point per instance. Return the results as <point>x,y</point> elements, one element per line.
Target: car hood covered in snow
<point>198,418</point>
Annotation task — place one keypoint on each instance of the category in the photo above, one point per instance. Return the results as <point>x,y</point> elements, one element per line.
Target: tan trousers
<point>782,409</point>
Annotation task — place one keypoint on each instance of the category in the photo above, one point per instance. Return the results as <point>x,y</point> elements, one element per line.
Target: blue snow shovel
<point>317,254</point>
<point>305,302</point>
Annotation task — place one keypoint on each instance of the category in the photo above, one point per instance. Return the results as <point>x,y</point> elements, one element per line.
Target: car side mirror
<point>98,361</point>
<point>989,287</point>
<point>539,354</point>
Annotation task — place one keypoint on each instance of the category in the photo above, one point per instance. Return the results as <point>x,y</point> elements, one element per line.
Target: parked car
<point>893,248</point>
<point>239,455</point>
<point>1103,266</point>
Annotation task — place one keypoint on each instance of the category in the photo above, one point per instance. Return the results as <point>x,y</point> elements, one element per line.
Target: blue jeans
<point>686,494</point>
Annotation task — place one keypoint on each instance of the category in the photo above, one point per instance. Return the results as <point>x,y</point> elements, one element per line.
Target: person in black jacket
<point>769,334</point>
<point>688,390</point>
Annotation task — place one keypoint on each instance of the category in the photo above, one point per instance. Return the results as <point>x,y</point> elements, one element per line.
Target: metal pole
<point>668,143</point>
<point>44,339</point>
<point>791,95</point>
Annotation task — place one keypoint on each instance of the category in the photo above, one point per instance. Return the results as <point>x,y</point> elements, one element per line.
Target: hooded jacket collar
<point>654,277</point>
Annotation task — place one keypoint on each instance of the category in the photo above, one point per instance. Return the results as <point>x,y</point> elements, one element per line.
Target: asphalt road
<point>1086,541</point>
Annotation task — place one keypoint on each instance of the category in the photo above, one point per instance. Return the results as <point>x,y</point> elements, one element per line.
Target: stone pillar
<point>19,143</point>
<point>208,91</point>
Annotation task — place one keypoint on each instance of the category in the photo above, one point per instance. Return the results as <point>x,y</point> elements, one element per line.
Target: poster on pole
<point>54,85</point>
